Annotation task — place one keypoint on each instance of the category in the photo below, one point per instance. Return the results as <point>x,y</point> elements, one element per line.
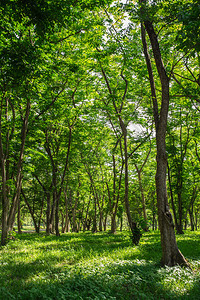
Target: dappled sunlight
<point>93,265</point>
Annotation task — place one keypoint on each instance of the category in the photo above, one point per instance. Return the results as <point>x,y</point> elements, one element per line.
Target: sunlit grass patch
<point>95,266</point>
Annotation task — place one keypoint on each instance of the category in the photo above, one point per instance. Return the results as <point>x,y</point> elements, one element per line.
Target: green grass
<point>96,266</point>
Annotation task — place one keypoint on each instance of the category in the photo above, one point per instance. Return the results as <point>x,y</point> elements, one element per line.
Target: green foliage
<point>189,35</point>
<point>100,266</point>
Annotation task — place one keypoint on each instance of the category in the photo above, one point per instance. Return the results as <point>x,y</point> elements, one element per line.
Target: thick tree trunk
<point>170,252</point>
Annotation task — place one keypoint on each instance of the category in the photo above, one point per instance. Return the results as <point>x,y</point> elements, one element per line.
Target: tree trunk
<point>191,219</point>
<point>48,213</point>
<point>100,221</point>
<point>196,220</point>
<point>9,212</point>
<point>133,226</point>
<point>105,222</point>
<point>19,223</point>
<point>86,216</point>
<point>31,212</point>
<point>57,217</point>
<point>94,227</point>
<point>170,252</point>
<point>113,224</point>
<point>121,223</point>
<point>172,198</point>
<point>142,197</point>
<point>66,227</point>
<point>180,213</point>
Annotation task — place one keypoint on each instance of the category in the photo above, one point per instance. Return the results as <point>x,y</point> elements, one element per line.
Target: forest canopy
<point>99,117</point>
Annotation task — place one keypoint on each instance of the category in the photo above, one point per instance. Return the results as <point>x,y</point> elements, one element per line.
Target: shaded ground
<point>100,266</point>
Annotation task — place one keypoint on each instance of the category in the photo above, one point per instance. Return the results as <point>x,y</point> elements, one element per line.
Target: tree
<point>171,255</point>
<point>28,31</point>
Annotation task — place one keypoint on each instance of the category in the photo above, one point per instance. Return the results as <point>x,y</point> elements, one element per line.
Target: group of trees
<point>99,98</point>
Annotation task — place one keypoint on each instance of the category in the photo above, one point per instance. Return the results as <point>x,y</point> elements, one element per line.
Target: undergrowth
<point>96,266</point>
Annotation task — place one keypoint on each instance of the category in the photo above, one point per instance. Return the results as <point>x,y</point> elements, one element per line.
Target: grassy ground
<point>99,266</point>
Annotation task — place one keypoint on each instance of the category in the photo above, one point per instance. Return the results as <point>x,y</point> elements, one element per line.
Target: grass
<point>96,266</point>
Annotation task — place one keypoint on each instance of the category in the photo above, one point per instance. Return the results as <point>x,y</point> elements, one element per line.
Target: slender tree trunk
<point>133,226</point>
<point>180,209</point>
<point>170,252</point>
<point>121,223</point>
<point>62,182</point>
<point>196,220</point>
<point>48,213</point>
<point>172,199</point>
<point>9,212</point>
<point>66,227</point>
<point>113,223</point>
<point>13,209</point>
<point>52,215</point>
<point>41,213</point>
<point>62,221</point>
<point>191,219</point>
<point>48,199</point>
<point>5,209</point>
<point>105,222</point>
<point>191,208</point>
<point>31,211</point>
<point>86,216</point>
<point>142,197</point>
<point>100,221</point>
<point>19,223</point>
<point>57,217</point>
<point>94,227</point>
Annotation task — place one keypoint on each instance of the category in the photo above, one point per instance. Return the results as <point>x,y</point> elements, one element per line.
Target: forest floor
<point>96,266</point>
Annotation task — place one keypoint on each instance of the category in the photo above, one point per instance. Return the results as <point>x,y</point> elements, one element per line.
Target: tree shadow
<point>87,266</point>
<point>116,280</point>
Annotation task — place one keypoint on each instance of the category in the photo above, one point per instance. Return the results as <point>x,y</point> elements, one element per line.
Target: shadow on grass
<point>86,266</point>
<point>122,280</point>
